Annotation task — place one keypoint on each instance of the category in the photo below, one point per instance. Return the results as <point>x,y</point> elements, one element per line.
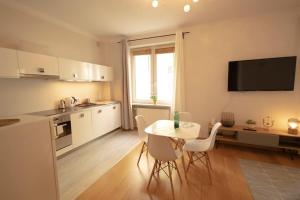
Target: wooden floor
<point>127,181</point>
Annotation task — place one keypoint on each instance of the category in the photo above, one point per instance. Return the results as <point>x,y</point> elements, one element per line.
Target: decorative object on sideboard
<point>227,119</point>
<point>154,99</point>
<point>293,126</point>
<point>268,122</point>
<point>251,123</point>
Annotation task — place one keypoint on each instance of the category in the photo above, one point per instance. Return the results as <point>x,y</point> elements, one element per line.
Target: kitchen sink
<point>6,122</point>
<point>85,105</point>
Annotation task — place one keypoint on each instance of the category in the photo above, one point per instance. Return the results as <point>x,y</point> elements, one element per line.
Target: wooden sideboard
<point>259,137</point>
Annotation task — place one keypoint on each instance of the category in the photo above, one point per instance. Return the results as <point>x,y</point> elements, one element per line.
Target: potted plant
<point>154,99</point>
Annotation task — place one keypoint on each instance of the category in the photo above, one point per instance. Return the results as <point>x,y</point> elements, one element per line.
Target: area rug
<point>271,181</point>
<point>80,169</point>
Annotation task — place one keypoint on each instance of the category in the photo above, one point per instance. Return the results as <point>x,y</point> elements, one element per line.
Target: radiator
<point>152,114</point>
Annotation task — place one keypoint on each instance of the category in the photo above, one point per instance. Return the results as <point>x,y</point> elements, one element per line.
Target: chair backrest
<point>160,148</point>
<point>141,125</point>
<point>213,134</point>
<point>185,116</point>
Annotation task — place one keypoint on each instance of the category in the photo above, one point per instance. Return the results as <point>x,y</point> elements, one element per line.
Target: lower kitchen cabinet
<point>106,119</point>
<point>115,121</point>
<point>100,121</point>
<point>92,123</point>
<point>28,168</point>
<point>82,129</point>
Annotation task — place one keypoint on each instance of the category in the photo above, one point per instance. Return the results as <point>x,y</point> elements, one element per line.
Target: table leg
<point>182,157</point>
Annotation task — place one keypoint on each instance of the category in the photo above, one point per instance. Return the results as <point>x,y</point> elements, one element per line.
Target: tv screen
<point>270,74</point>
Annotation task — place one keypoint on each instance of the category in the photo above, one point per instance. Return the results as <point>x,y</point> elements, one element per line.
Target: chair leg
<point>190,161</point>
<point>159,165</point>
<point>171,181</point>
<point>152,173</point>
<point>208,159</point>
<point>208,169</point>
<point>176,145</point>
<point>142,150</point>
<point>189,154</point>
<point>177,171</point>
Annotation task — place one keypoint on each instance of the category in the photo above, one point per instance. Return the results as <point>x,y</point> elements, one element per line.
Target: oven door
<point>63,135</point>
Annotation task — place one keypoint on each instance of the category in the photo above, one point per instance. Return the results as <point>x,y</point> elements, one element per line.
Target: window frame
<point>153,68</point>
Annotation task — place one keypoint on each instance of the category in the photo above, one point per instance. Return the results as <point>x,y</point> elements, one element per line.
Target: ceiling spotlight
<point>187,8</point>
<point>154,3</point>
<point>195,1</point>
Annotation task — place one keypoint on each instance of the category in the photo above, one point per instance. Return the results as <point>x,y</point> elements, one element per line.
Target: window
<point>152,74</point>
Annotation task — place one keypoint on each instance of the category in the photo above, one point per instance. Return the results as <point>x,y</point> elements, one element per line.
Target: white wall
<point>23,31</point>
<point>209,47</point>
<point>113,58</point>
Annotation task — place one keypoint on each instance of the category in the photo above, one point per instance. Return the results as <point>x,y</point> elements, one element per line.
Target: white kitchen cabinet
<point>106,119</point>
<point>100,118</point>
<point>101,73</point>
<point>9,67</point>
<point>72,70</point>
<point>98,73</point>
<point>114,116</point>
<point>81,123</point>
<point>108,73</point>
<point>37,64</point>
<point>28,163</point>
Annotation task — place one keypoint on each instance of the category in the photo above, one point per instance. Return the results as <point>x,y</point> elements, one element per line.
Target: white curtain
<point>178,102</point>
<point>127,114</point>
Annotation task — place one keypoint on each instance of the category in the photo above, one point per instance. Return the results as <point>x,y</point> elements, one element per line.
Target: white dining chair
<point>141,125</point>
<point>197,149</point>
<point>160,148</point>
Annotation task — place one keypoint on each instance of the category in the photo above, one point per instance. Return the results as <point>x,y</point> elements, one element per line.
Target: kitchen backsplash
<point>20,96</point>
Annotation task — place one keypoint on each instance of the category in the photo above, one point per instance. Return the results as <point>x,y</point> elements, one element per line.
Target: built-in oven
<point>63,131</point>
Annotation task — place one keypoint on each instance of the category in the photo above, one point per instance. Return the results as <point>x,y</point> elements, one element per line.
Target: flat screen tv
<point>269,74</point>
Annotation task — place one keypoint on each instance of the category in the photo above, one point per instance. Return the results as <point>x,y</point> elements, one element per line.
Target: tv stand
<point>259,137</point>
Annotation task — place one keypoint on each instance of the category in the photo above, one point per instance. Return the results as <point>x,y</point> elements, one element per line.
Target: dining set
<point>167,144</point>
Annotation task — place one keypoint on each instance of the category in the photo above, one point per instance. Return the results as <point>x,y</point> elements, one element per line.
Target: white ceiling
<point>129,17</point>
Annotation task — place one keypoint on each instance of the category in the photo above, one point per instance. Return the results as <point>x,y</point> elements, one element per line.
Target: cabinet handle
<point>102,77</point>
<point>114,107</point>
<point>99,111</point>
<point>81,115</point>
<point>41,70</point>
<point>75,75</point>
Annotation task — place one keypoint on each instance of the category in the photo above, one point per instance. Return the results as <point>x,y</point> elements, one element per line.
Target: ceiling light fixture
<point>154,3</point>
<point>186,8</point>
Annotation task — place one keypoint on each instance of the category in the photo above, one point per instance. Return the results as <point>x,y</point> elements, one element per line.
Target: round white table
<point>186,130</point>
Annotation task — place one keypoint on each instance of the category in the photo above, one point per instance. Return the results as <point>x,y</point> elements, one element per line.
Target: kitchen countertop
<point>32,117</point>
<point>74,109</point>
<point>24,119</point>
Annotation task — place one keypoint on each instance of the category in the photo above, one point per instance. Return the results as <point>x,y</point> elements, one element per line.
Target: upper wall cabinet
<point>101,73</point>
<point>108,74</point>
<point>72,70</point>
<point>14,63</point>
<point>9,67</point>
<point>37,64</point>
